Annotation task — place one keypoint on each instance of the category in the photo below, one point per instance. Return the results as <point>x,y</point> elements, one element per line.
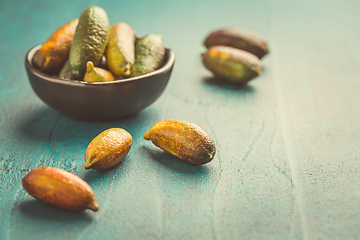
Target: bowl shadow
<point>41,124</point>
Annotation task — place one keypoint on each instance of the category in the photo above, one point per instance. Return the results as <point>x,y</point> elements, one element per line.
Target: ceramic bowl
<point>105,101</point>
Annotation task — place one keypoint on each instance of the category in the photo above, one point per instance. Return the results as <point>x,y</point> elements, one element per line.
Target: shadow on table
<point>242,88</point>
<point>170,162</point>
<point>41,125</point>
<point>36,210</point>
<point>93,176</point>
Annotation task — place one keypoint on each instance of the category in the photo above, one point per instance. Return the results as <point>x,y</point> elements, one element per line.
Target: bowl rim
<point>167,66</point>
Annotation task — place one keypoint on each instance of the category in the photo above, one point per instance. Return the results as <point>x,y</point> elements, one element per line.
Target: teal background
<point>287,156</point>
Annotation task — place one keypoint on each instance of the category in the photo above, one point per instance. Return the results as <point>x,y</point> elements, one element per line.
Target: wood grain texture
<point>287,156</point>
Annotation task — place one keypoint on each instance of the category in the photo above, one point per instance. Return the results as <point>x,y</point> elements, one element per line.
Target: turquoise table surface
<point>288,157</point>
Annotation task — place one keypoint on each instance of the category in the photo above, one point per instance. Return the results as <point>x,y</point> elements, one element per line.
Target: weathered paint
<point>287,161</point>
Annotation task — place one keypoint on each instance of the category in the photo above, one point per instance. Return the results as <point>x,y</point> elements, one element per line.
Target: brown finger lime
<point>231,64</point>
<point>59,188</point>
<point>183,139</point>
<point>108,149</point>
<point>55,51</point>
<point>120,52</point>
<point>238,38</point>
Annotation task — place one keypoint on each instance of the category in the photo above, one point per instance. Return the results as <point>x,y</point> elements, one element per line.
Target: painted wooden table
<point>288,156</point>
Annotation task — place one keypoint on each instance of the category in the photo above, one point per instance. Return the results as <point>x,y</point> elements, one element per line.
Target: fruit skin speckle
<point>150,55</point>
<point>120,52</point>
<point>183,139</point>
<point>231,64</point>
<point>53,54</point>
<point>59,188</point>
<point>108,149</point>
<point>90,40</point>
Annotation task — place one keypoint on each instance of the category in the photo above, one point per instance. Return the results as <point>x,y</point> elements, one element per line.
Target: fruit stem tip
<point>147,136</point>
<point>87,166</point>
<point>89,66</point>
<point>93,206</point>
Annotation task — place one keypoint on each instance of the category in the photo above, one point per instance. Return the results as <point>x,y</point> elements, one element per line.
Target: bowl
<point>99,101</point>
